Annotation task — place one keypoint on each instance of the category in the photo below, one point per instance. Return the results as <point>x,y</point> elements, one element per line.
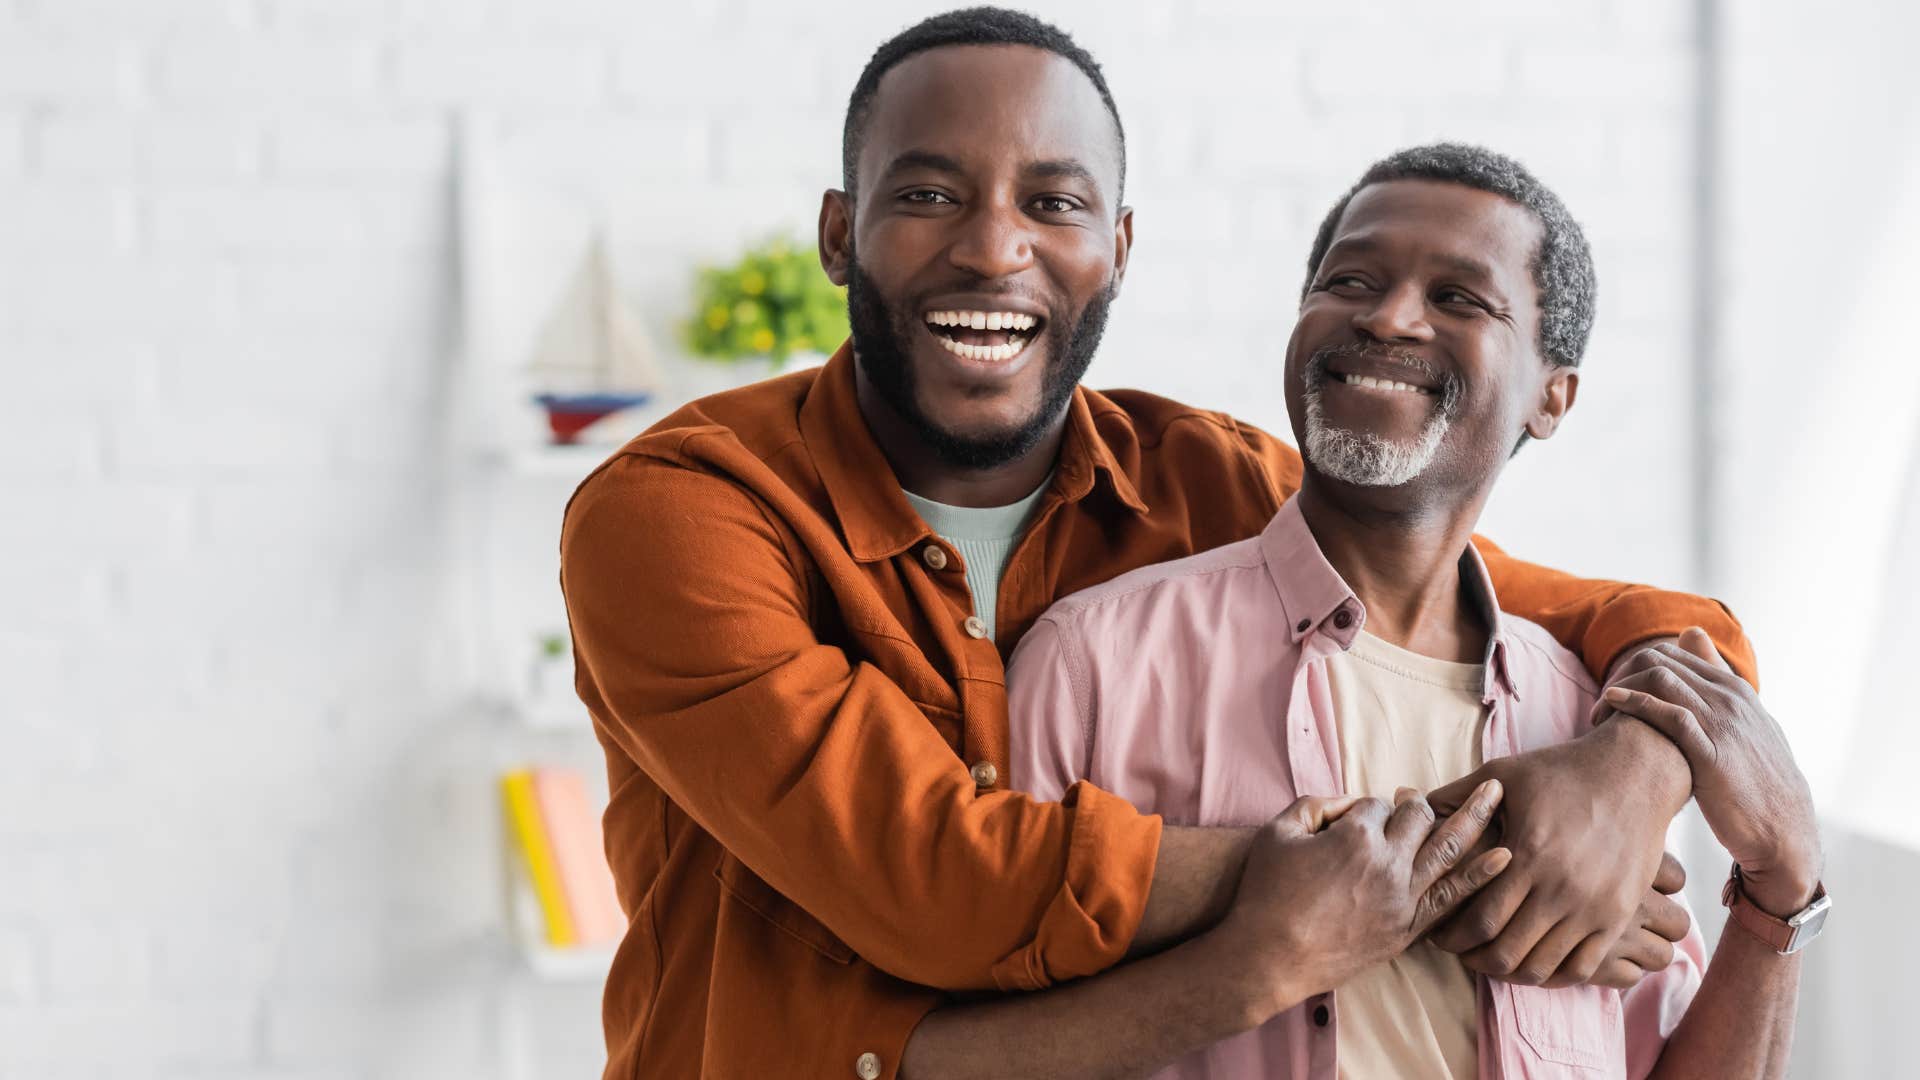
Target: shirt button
<point>1321,1015</point>
<point>1342,619</point>
<point>976,626</point>
<point>867,1066</point>
<point>984,774</point>
<point>935,556</point>
<point>1301,626</point>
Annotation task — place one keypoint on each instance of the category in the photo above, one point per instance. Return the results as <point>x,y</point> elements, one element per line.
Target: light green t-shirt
<point>984,536</point>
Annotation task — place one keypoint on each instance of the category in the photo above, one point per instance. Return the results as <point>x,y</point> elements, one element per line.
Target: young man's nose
<point>994,241</point>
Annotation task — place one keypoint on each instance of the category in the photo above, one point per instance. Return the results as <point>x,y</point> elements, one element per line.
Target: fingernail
<point>1615,694</point>
<point>1490,788</point>
<point>1497,859</point>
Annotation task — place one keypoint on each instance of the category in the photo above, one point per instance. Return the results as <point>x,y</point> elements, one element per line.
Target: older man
<point>1356,649</point>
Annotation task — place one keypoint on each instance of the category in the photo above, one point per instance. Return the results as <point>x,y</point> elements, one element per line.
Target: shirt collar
<point>1315,599</point>
<point>866,495</point>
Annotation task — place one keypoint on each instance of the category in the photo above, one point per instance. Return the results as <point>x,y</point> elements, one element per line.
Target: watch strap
<point>1782,935</point>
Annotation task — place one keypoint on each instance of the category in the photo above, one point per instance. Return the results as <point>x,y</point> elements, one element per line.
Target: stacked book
<point>555,834</point>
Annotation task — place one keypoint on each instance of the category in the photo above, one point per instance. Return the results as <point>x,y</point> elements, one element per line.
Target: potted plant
<point>773,304</point>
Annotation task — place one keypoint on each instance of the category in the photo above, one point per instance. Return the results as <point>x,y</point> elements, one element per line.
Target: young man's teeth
<point>982,320</point>
<point>991,353</point>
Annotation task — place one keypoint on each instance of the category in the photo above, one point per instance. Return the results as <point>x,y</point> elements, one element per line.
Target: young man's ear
<point>1556,397</point>
<point>836,235</point>
<point>1122,245</point>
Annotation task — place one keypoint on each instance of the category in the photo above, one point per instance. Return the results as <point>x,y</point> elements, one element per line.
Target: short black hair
<point>1562,265</point>
<point>967,26</point>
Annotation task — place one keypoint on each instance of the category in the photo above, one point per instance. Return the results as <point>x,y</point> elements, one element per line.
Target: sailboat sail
<point>593,356</point>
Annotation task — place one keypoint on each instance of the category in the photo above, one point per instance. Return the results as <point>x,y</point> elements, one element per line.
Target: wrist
<point>1782,887</point>
<point>1259,985</point>
<point>1661,767</point>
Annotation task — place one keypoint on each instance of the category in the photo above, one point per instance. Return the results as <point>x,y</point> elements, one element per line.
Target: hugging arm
<point>1292,931</point>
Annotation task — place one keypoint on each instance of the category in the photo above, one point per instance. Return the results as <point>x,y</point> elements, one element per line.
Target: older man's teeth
<point>982,320</point>
<point>989,353</point>
<point>1382,384</point>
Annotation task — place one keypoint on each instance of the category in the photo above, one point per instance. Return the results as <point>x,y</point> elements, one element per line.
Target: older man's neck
<point>1401,556</point>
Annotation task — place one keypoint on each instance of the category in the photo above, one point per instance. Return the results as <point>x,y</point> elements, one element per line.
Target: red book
<point>579,854</point>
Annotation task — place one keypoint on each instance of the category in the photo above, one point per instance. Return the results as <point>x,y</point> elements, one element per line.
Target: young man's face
<point>987,184</point>
<point>1415,359</point>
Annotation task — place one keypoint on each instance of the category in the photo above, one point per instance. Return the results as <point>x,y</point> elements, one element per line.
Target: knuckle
<point>1502,962</point>
<point>1485,926</point>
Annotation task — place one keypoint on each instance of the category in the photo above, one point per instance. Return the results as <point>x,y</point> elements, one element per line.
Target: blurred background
<point>278,594</point>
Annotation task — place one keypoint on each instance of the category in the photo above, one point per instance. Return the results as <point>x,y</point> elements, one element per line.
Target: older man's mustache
<point>1447,386</point>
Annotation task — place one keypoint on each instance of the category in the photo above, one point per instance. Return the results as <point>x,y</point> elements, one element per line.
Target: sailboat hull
<point>570,414</point>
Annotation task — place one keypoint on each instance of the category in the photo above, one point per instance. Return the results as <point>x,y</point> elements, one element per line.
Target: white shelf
<point>555,716</point>
<point>574,462</point>
<point>579,963</point>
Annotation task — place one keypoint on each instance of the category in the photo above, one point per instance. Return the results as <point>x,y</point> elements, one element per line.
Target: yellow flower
<point>716,318</point>
<point>763,340</point>
<point>746,311</point>
<point>753,283</point>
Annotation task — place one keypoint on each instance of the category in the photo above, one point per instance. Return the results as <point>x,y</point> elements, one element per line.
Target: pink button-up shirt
<point>1197,689</point>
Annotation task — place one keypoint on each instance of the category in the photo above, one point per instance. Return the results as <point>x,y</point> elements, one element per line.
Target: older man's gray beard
<point>1363,458</point>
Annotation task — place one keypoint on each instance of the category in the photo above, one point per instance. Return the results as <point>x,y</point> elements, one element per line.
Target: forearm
<point>1194,879</point>
<point>1124,1022</point>
<point>1740,1024</point>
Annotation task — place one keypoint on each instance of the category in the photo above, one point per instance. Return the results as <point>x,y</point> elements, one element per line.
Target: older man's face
<point>1414,360</point>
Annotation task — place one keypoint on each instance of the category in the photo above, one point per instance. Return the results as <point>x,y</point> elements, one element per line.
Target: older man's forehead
<point>1466,228</point>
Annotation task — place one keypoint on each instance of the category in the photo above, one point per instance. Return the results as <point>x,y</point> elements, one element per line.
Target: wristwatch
<point>1788,935</point>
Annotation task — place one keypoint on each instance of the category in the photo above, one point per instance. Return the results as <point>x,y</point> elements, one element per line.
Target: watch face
<point>1808,924</point>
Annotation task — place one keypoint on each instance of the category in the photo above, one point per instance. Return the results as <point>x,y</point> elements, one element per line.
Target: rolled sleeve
<point>1092,919</point>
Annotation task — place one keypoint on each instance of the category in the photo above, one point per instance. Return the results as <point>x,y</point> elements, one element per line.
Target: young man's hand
<point>1333,886</point>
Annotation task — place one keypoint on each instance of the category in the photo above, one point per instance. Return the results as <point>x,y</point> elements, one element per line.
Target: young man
<point>1354,650</point>
<point>798,682</point>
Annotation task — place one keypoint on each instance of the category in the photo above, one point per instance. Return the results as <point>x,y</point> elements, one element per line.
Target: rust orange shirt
<point>806,732</point>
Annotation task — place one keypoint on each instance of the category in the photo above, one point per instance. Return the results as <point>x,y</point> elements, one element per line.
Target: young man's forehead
<point>1019,98</point>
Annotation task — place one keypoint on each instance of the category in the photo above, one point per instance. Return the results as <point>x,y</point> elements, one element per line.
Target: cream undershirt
<point>1406,720</point>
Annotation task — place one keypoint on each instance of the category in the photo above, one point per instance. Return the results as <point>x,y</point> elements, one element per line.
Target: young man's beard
<point>880,346</point>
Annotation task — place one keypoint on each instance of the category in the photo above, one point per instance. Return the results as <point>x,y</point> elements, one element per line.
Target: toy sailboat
<point>593,357</point>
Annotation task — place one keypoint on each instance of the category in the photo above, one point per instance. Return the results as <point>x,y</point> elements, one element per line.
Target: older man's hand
<point>1586,822</point>
<point>1750,791</point>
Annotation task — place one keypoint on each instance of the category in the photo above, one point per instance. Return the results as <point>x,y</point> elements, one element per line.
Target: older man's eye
<point>1055,204</point>
<point>1458,297</point>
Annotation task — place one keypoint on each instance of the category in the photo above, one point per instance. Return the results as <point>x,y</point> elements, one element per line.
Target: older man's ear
<point>1556,397</point>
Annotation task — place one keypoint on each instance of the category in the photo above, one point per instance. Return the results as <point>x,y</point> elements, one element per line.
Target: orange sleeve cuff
<point>1092,919</point>
<point>1644,614</point>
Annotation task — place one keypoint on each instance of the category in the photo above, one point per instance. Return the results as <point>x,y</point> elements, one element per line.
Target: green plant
<point>776,301</point>
<point>552,646</point>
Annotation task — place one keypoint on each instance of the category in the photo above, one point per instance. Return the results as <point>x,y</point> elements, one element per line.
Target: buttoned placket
<point>979,673</point>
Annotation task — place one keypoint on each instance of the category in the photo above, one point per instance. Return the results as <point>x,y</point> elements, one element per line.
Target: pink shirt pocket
<point>1574,1031</point>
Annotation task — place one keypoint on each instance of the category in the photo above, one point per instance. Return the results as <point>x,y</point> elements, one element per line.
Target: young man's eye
<point>1345,281</point>
<point>925,197</point>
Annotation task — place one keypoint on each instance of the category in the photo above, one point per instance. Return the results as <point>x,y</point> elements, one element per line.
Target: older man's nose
<point>994,242</point>
<point>1400,314</point>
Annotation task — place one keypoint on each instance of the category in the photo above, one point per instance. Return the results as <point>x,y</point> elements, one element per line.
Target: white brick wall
<point>248,823</point>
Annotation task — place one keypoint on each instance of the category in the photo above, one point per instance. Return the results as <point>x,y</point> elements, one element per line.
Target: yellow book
<point>523,817</point>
